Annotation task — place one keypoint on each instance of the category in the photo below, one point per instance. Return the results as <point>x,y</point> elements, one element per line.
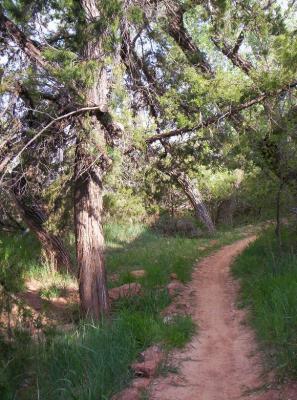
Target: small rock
<point>151,360</point>
<point>174,288</point>
<point>146,368</point>
<point>152,353</point>
<point>140,273</point>
<point>127,290</point>
<point>140,383</point>
<point>167,319</point>
<point>114,277</point>
<point>59,300</point>
<point>127,394</point>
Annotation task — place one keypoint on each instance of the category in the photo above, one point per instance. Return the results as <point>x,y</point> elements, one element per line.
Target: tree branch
<point>30,47</point>
<point>238,43</point>
<point>217,117</point>
<point>7,161</point>
<point>238,61</point>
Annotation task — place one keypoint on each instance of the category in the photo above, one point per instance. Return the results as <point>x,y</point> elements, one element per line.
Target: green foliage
<point>136,14</point>
<point>70,70</point>
<point>182,226</point>
<point>50,292</point>
<point>179,331</point>
<point>286,51</point>
<point>20,10</point>
<point>228,87</point>
<point>268,277</point>
<point>158,255</point>
<point>14,355</point>
<point>257,196</point>
<point>18,254</point>
<point>124,206</point>
<point>217,185</point>
<point>116,233</point>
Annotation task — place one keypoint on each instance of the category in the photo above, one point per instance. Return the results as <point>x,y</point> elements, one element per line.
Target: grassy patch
<point>92,361</point>
<point>179,331</point>
<point>159,256</point>
<point>51,292</point>
<point>268,276</point>
<point>18,254</point>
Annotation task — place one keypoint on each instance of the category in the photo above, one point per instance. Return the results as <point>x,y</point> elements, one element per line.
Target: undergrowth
<point>158,255</point>
<point>268,275</point>
<point>91,361</point>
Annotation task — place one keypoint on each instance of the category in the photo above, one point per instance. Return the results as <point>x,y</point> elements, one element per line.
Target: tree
<point>57,256</point>
<point>89,131</point>
<point>173,53</point>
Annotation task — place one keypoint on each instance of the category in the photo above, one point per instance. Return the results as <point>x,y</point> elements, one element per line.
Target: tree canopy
<point>104,101</point>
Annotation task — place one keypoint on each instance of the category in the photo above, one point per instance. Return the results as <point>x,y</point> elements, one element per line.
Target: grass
<point>18,254</point>
<point>158,255</point>
<point>51,291</point>
<point>91,362</point>
<point>21,260</point>
<point>268,276</point>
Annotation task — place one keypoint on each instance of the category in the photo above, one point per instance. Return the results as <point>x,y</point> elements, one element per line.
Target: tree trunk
<point>91,163</point>
<point>225,211</point>
<point>34,217</point>
<point>195,198</point>
<point>89,237</point>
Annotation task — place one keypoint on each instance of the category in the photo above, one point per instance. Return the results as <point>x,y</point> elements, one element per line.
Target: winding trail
<point>222,361</point>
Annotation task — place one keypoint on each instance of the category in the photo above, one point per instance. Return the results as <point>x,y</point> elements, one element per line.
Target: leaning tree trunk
<point>91,163</point>
<point>195,198</point>
<point>55,252</point>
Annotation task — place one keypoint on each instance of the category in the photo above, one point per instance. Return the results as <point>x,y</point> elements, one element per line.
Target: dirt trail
<point>221,362</point>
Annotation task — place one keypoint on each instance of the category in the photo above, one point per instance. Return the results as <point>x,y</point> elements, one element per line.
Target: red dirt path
<point>222,362</point>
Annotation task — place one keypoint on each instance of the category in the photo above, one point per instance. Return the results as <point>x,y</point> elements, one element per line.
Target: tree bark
<point>179,33</point>
<point>195,198</point>
<point>89,238</point>
<point>89,171</point>
<point>34,217</point>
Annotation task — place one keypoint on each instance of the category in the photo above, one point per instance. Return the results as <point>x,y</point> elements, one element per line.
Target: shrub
<point>182,226</point>
<point>124,206</point>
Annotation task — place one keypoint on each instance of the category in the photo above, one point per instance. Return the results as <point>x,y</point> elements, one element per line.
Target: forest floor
<point>55,297</point>
<point>223,361</point>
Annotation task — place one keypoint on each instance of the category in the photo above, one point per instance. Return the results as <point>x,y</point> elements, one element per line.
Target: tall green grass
<point>141,248</point>
<point>18,254</point>
<point>268,276</point>
<point>91,362</point>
